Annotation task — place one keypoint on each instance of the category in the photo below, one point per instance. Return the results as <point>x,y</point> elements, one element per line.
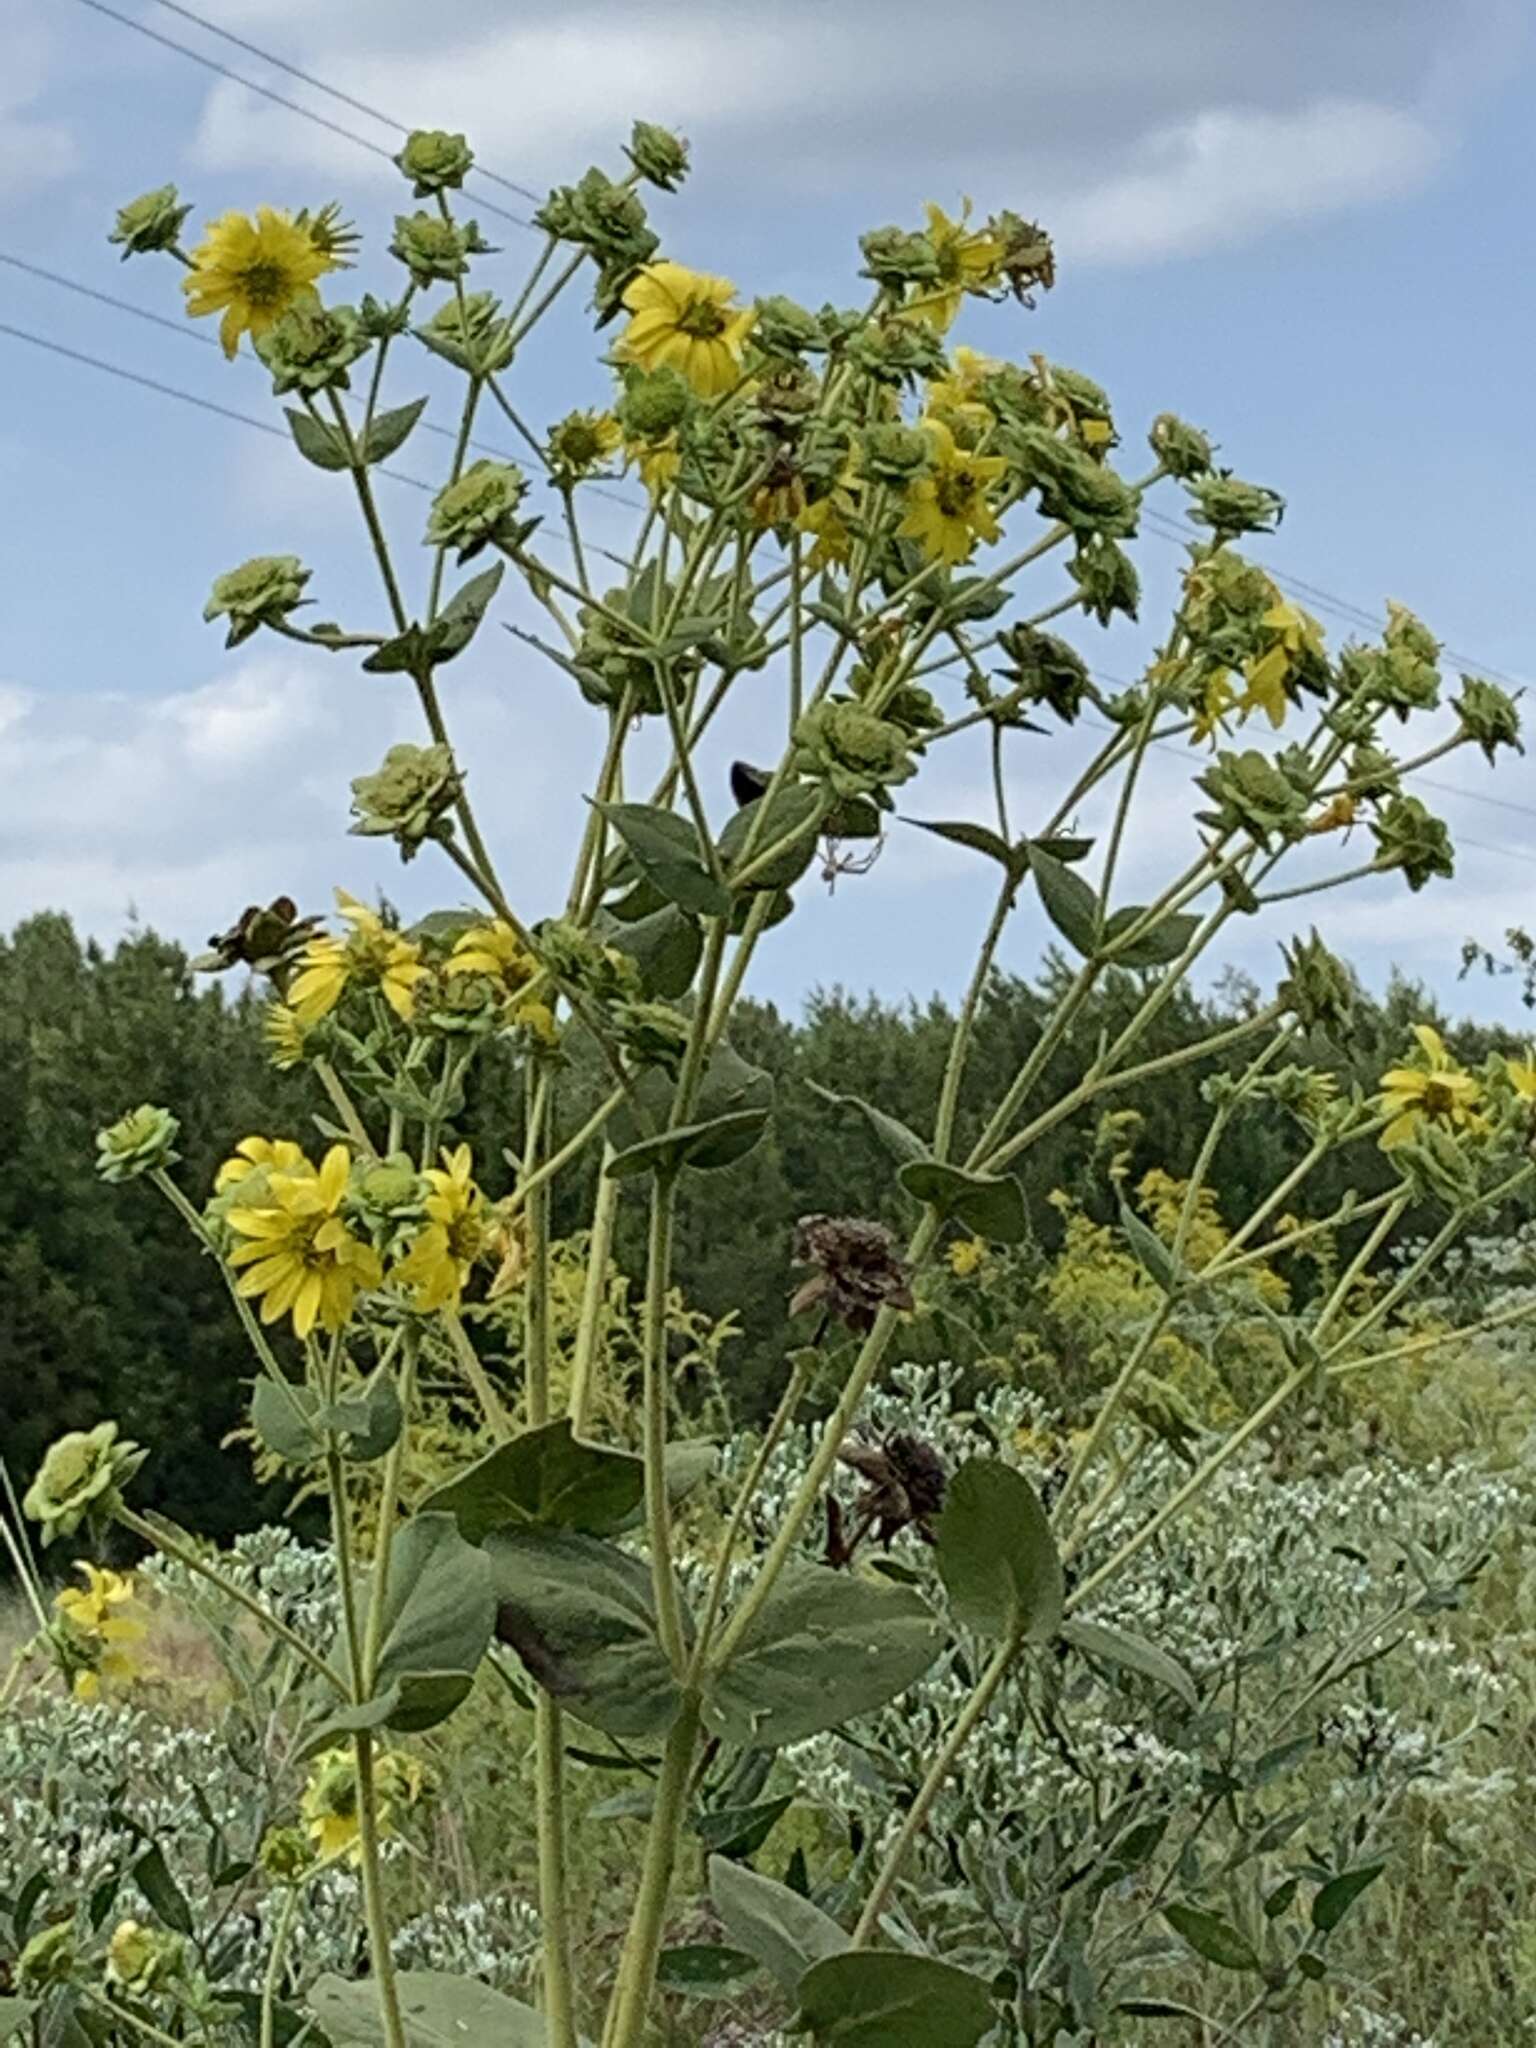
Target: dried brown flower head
<point>904,1489</point>
<point>858,1269</point>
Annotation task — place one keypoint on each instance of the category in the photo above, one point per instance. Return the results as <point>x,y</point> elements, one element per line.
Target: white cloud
<point>1229,173</point>
<point>33,152</point>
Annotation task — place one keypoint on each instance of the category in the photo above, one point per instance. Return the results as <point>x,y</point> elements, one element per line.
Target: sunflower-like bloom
<point>970,260</point>
<point>253,271</point>
<point>454,1235</point>
<point>103,1628</point>
<point>582,440</point>
<point>1437,1092</point>
<point>683,320</point>
<point>947,506</point>
<point>956,396</point>
<point>1297,635</point>
<point>279,1154</point>
<point>300,1258</point>
<point>372,955</point>
<point>328,1803</point>
<point>283,1029</point>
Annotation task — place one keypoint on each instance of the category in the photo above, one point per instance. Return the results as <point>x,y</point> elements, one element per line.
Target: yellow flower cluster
<point>104,1628</point>
<point>328,1805</point>
<point>683,320</point>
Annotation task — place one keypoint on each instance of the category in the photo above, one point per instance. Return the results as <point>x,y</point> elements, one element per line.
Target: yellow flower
<point>657,461</point>
<point>253,271</point>
<point>1521,1075</point>
<point>1296,633</point>
<point>454,1236</point>
<point>251,1153</point>
<point>328,1803</point>
<point>966,1255</point>
<point>495,951</point>
<point>947,508</point>
<point>1438,1092</point>
<point>582,440</point>
<point>101,1625</point>
<point>1219,700</point>
<point>969,260</point>
<point>372,955</point>
<point>284,1032</point>
<point>685,321</point>
<point>956,397</point>
<point>301,1257</point>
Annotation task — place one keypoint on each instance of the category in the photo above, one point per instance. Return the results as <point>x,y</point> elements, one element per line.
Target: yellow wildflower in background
<point>253,271</point>
<point>328,1803</point>
<point>301,1258</point>
<point>105,1625</point>
<point>1521,1075</point>
<point>454,1236</point>
<point>686,321</point>
<point>947,507</point>
<point>372,955</point>
<point>279,1153</point>
<point>1438,1092</point>
<point>970,260</point>
<point>966,1256</point>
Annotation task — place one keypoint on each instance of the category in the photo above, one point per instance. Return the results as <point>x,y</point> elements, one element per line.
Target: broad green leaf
<point>459,619</point>
<point>901,1142</point>
<point>785,1932</point>
<point>666,849</point>
<point>990,1204</point>
<point>1151,1253</point>
<point>152,1875</point>
<point>720,1141</point>
<point>825,1648</point>
<point>881,1998</point>
<point>316,441</point>
<point>1070,904</point>
<point>387,430</point>
<point>439,2011</point>
<point>1209,1935</point>
<point>741,1830</point>
<point>436,1622</point>
<point>420,1699</point>
<point>370,1420</point>
<point>1155,948</point>
<point>980,839</point>
<point>579,1613</point>
<point>1340,1893</point>
<point>284,1419</point>
<point>704,1969</point>
<point>997,1556</point>
<point>792,821</point>
<point>666,946</point>
<point>1065,847</point>
<point>546,1477</point>
<point>1130,1652</point>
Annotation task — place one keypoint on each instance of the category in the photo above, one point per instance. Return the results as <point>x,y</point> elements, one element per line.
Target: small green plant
<point>847,516</point>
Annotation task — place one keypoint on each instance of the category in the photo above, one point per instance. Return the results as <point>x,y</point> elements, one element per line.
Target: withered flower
<point>905,1481</point>
<point>858,1270</point>
<point>265,938</point>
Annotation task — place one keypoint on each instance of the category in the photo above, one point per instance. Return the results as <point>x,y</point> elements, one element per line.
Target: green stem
<point>959,1045</point>
<point>658,1514</point>
<point>591,1327</point>
<point>344,1107</point>
<point>630,2005</point>
<point>373,1894</point>
<point>491,1405</point>
<point>273,1975</point>
<point>554,1895</point>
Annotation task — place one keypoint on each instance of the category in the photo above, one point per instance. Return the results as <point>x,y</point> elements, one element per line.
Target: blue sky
<point>1303,228</point>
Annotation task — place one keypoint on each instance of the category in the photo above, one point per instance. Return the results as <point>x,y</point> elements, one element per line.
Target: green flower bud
<point>434,250</point>
<point>474,336</point>
<point>150,224</point>
<point>1318,989</point>
<point>390,1192</point>
<point>893,454</point>
<point>895,258</point>
<point>1085,495</point>
<point>853,751</point>
<point>910,706</point>
<point>896,352</point>
<point>1372,772</point>
<point>48,1958</point>
<point>286,1855</point>
<point>1047,670</point>
<point>141,1958</point>
<point>653,1034</point>
<point>653,404</point>
<point>1229,506</point>
<point>780,327</point>
<point>1252,794</point>
<point>1488,715</point>
<point>658,154</point>
<point>141,1142</point>
<point>1410,837</point>
<point>81,1478</point>
<point>479,508</point>
<point>381,321</point>
<point>312,347</point>
<point>581,962</point>
<point>1182,449</point>
<point>261,592</point>
<point>607,219</point>
<point>435,161</point>
<point>408,796</point>
<point>1107,579</point>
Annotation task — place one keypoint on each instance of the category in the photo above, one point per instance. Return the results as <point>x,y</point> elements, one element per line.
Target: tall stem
<point>658,1513</point>
<point>373,1894</point>
<point>554,1896</point>
<point>636,1980</point>
<point>590,1328</point>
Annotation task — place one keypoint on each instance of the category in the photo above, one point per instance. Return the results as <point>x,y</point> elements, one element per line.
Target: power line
<point>332,92</point>
<point>278,99</point>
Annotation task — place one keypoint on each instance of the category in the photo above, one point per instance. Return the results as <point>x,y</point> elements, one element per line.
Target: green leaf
<point>785,1932</point>
<point>14,2014</point>
<point>990,1204</point>
<point>1209,1935</point>
<point>901,1142</point>
<point>1129,1652</point>
<point>1156,948</point>
<point>1340,1893</point>
<point>420,1699</point>
<point>666,849</point>
<point>439,2010</point>
<point>284,1419</point>
<point>579,1614</point>
<point>666,946</point>
<point>741,1830</point>
<point>1158,2009</point>
<point>824,1648</point>
<point>721,1141</point>
<point>387,430</point>
<point>544,1478</point>
<point>292,1420</point>
<point>793,817</point>
<point>997,1556</point>
<point>704,1969</point>
<point>459,620</point>
<point>1066,847</point>
<point>1151,1253</point>
<point>960,832</point>
<point>152,1875</point>
<point>1070,904</point>
<point>316,441</point>
<point>877,1998</point>
<point>435,1626</point>
<point>370,1420</point>
<point>408,653</point>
